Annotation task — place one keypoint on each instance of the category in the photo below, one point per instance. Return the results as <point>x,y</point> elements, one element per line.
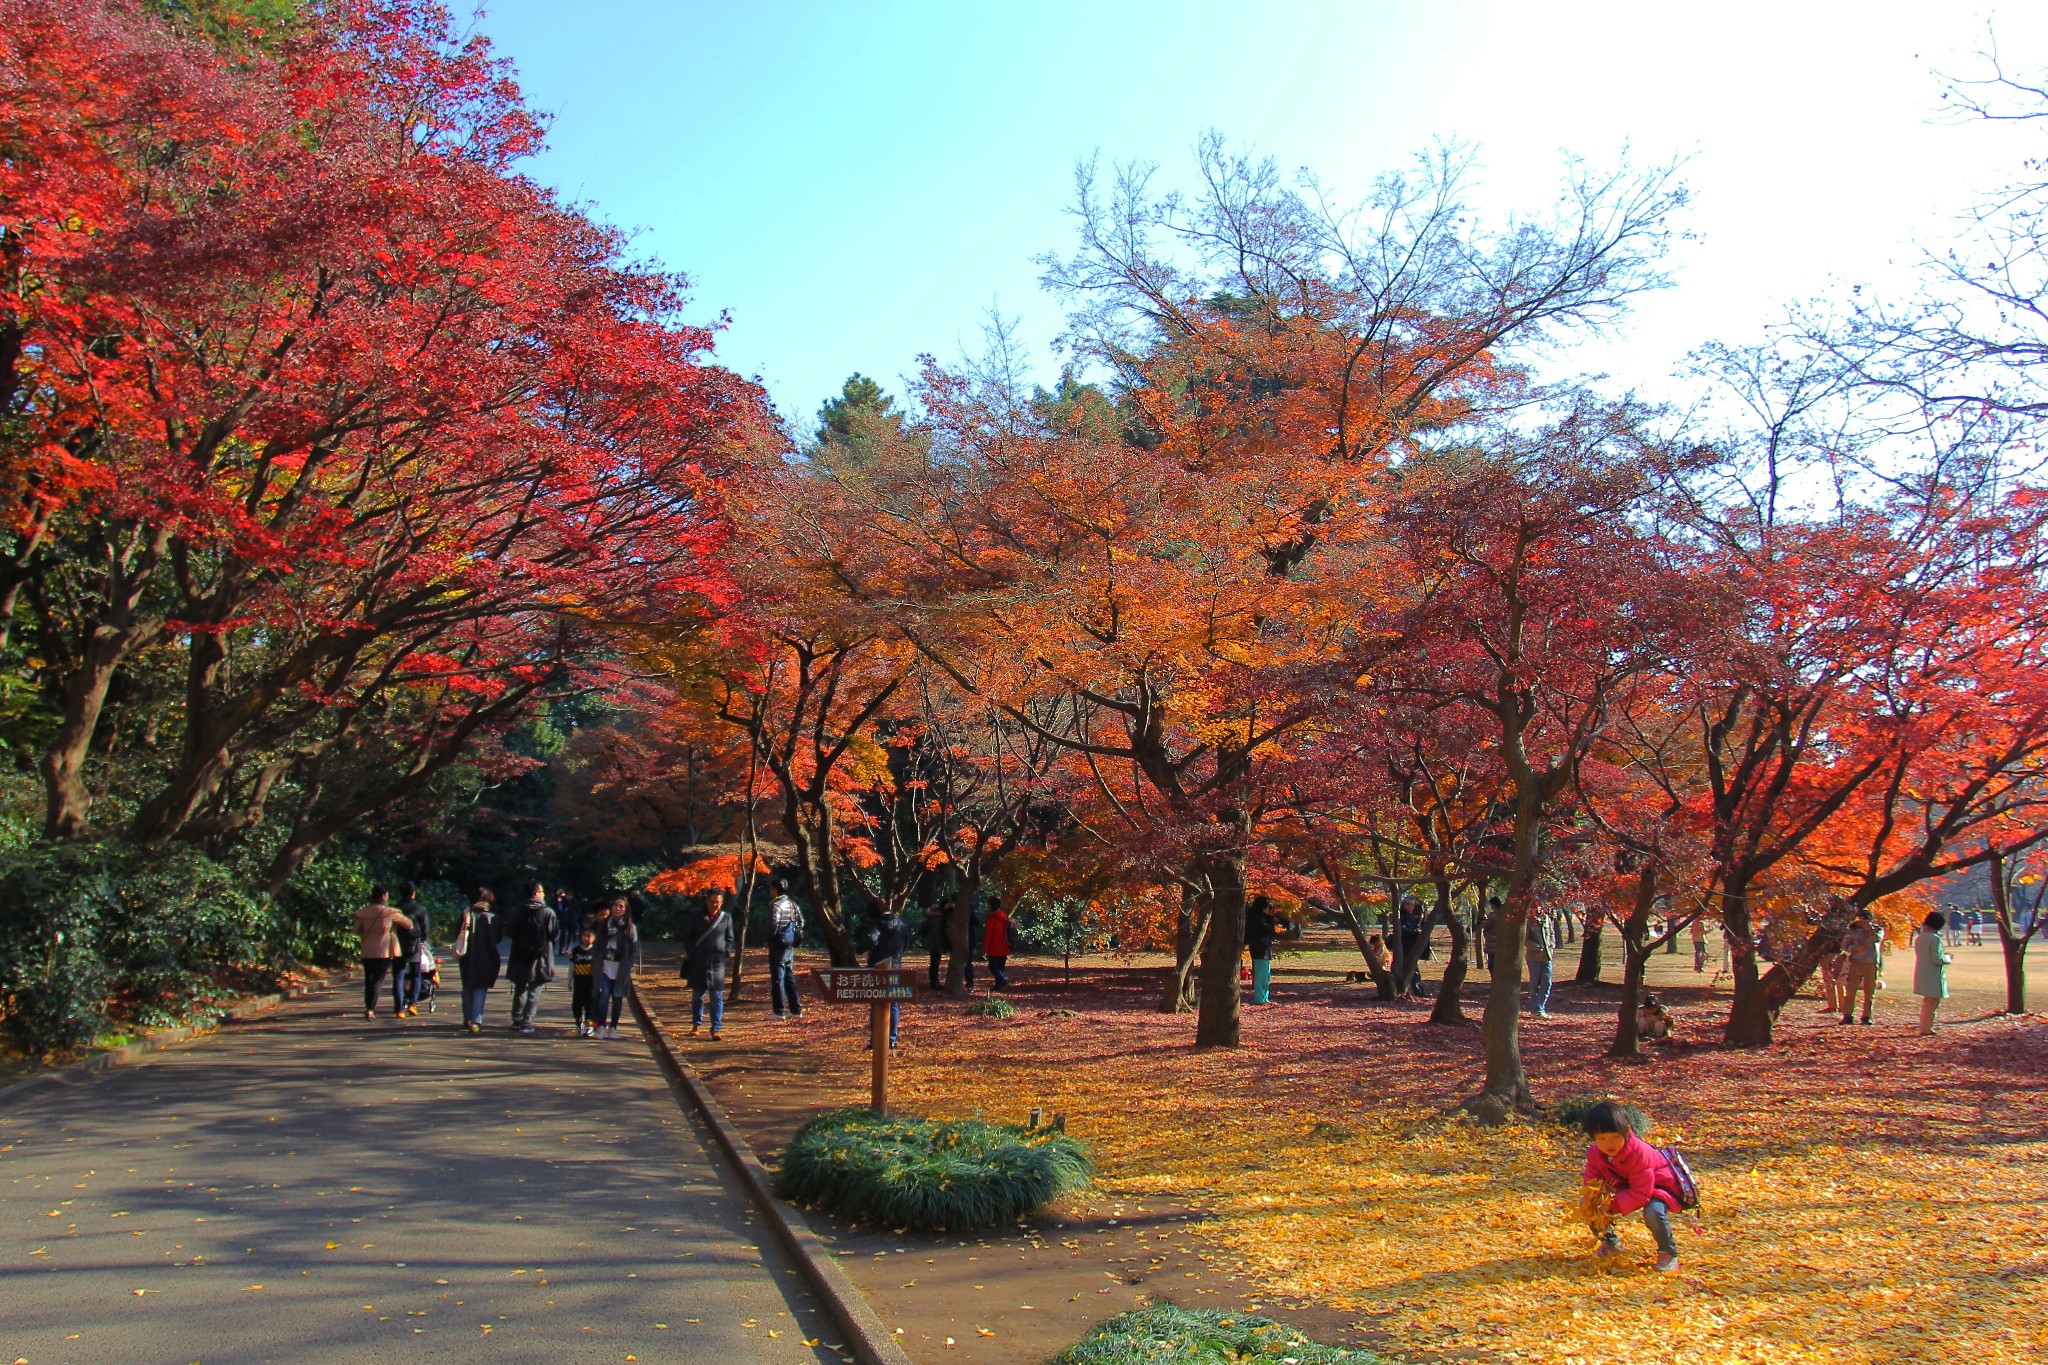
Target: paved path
<point>313,1187</point>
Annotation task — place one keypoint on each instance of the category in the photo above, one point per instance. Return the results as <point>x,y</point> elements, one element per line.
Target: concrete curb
<point>22,1092</point>
<point>871,1342</point>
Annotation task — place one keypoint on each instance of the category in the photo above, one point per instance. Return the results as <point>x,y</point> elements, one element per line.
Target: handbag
<point>461,944</point>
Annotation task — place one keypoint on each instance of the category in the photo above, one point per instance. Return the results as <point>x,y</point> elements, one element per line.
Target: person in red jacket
<point>995,942</point>
<point>1635,1176</point>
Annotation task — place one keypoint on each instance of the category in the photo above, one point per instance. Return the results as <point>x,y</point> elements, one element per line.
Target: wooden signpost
<point>878,988</point>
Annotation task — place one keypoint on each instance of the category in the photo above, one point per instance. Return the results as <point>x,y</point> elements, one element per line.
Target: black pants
<point>580,990</point>
<point>374,969</point>
<point>999,968</point>
<point>938,966</point>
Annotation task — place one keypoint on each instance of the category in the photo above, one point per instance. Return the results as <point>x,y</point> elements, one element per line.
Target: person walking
<point>1491,931</point>
<point>938,940</point>
<point>583,981</point>
<point>1699,946</point>
<point>709,941</point>
<point>568,921</point>
<point>995,943</point>
<point>618,940</point>
<point>785,932</point>
<point>1410,925</point>
<point>888,941</point>
<point>476,955</point>
<point>1930,968</point>
<point>531,930</point>
<point>1863,941</point>
<point>378,925</point>
<point>406,982</point>
<point>1539,944</point>
<point>1259,929</point>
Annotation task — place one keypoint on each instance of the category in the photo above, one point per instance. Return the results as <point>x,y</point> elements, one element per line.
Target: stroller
<point>429,968</point>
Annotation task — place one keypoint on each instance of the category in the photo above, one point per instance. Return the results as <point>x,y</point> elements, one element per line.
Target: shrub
<point>92,931</point>
<point>316,909</point>
<point>918,1173</point>
<point>992,1006</point>
<point>1571,1112</point>
<point>1189,1336</point>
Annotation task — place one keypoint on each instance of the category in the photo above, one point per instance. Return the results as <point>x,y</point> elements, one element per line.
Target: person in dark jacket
<point>618,941</point>
<point>479,934</point>
<point>938,940</point>
<point>568,921</point>
<point>888,941</point>
<point>1412,928</point>
<point>531,931</point>
<point>406,984</point>
<point>1259,928</point>
<point>710,942</point>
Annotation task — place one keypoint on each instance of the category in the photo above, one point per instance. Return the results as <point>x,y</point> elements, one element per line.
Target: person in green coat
<point>1930,968</point>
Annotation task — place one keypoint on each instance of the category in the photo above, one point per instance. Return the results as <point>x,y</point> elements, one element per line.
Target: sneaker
<point>715,1035</point>
<point>1866,1019</point>
<point>526,1030</point>
<point>1542,1014</point>
<point>1609,1246</point>
<point>779,1017</point>
<point>694,1028</point>
<point>412,1011</point>
<point>612,1032</point>
<point>1667,1260</point>
<point>1848,1018</point>
<point>369,1014</point>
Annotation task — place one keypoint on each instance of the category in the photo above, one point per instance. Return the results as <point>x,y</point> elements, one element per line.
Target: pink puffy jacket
<point>1637,1174</point>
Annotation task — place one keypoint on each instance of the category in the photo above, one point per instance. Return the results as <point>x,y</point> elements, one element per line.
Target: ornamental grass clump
<point>922,1174</point>
<point>992,1007</point>
<point>1572,1113</point>
<point>1189,1336</point>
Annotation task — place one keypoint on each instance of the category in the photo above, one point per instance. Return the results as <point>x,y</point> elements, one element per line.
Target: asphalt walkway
<point>312,1187</point>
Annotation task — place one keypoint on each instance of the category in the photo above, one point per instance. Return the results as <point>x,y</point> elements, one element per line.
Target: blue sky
<point>856,183</point>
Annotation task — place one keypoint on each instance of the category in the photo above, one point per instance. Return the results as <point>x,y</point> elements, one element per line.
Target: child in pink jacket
<point>1635,1175</point>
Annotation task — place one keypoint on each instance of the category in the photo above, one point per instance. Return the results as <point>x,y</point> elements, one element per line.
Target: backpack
<point>1681,1174</point>
<point>788,933</point>
<point>530,934</point>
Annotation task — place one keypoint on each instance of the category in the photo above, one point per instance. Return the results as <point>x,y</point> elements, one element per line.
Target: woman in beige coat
<point>379,923</point>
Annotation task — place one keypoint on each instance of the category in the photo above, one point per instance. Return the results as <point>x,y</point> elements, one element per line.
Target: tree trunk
<point>1635,959</point>
<point>67,803</point>
<point>1216,1022</point>
<point>1776,988</point>
<point>1750,1016</point>
<point>1191,928</point>
<point>818,871</point>
<point>2015,949</point>
<point>2011,942</point>
<point>1447,1008</point>
<point>959,928</point>
<point>1589,948</point>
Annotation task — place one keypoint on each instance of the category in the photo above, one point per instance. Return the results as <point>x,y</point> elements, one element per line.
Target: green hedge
<point>97,934</point>
<point>902,1172</point>
<point>1190,1336</point>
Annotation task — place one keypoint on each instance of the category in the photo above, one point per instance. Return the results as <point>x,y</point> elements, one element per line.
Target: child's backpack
<point>1688,1188</point>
